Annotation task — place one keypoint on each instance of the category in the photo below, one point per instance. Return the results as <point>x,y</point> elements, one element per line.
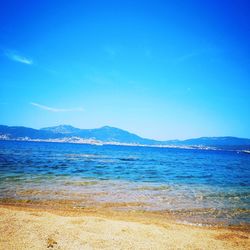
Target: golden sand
<point>26,226</point>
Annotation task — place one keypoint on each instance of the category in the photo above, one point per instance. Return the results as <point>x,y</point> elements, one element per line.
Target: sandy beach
<point>40,227</point>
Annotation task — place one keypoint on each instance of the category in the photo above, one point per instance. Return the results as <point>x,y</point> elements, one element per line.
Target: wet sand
<point>44,226</point>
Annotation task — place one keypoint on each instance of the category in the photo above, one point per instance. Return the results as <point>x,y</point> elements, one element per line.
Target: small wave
<point>184,222</point>
<point>106,161</point>
<point>85,156</point>
<point>185,176</point>
<point>229,196</point>
<point>153,188</point>
<point>80,183</point>
<point>128,159</point>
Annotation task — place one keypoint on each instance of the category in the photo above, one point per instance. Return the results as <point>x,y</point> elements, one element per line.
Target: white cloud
<point>195,54</point>
<point>44,107</point>
<point>14,56</point>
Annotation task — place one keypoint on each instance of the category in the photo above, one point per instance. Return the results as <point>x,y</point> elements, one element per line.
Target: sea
<point>203,187</point>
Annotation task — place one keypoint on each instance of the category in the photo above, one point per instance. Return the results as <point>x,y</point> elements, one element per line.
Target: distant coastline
<point>77,140</point>
<point>114,136</point>
<point>102,143</point>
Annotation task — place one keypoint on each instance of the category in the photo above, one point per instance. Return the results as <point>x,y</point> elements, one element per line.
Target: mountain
<point>63,129</point>
<point>106,134</point>
<point>19,132</point>
<point>115,135</point>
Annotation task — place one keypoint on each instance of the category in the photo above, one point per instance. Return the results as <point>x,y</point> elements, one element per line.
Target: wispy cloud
<point>148,53</point>
<point>51,109</point>
<point>208,51</point>
<point>186,57</point>
<point>112,51</point>
<point>15,56</point>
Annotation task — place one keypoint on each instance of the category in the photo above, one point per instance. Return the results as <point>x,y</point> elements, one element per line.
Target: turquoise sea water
<point>201,186</point>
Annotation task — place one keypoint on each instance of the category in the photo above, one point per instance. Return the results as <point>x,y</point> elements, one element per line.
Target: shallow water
<point>201,186</point>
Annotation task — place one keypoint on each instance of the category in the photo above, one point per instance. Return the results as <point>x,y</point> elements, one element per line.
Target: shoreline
<point>33,226</point>
<point>60,200</point>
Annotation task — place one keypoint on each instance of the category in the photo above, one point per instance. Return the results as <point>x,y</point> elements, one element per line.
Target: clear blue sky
<point>161,69</point>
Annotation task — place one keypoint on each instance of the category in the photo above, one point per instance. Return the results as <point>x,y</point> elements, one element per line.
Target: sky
<point>160,69</point>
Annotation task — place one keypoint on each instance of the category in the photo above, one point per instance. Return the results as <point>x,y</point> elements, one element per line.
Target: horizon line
<point>161,140</point>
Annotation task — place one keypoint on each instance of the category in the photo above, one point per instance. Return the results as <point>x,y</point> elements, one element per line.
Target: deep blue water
<point>162,178</point>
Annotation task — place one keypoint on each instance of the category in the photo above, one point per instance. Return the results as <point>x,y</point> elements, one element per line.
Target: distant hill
<point>105,134</point>
<point>218,141</point>
<point>63,129</point>
<point>226,142</point>
<point>18,132</point>
<point>111,134</point>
